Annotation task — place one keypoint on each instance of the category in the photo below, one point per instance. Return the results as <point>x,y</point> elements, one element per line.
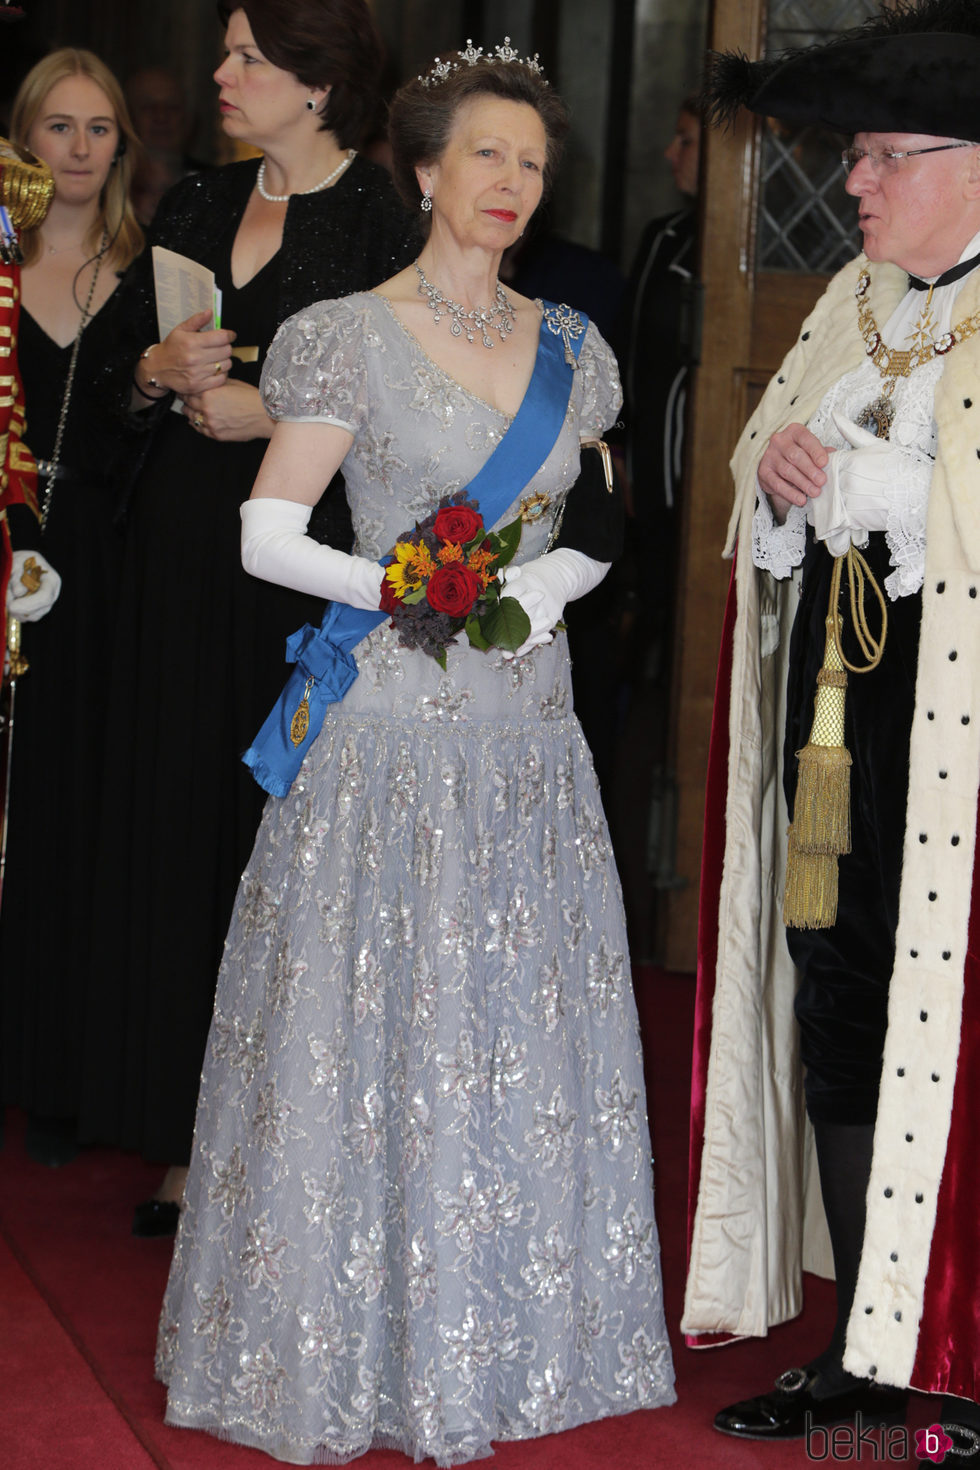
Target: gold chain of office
<point>894,363</point>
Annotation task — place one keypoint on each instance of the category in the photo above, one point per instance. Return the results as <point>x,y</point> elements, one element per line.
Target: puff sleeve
<point>599,385</point>
<point>316,368</point>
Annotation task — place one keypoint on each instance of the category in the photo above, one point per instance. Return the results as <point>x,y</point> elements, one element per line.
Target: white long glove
<point>855,498</point>
<point>543,586</point>
<point>276,548</point>
<point>26,606</point>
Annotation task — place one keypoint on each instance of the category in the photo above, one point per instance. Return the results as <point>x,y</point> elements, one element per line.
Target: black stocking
<point>844,1159</point>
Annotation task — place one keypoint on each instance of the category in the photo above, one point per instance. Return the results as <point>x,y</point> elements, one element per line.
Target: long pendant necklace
<point>50,467</point>
<point>894,363</point>
<point>323,184</point>
<point>499,317</point>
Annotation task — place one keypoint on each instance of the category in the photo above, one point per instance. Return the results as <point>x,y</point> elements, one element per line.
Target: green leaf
<point>507,625</point>
<point>474,633</point>
<point>411,598</point>
<point>439,654</point>
<point>509,538</point>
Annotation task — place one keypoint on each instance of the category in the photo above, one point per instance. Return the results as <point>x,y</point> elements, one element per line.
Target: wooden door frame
<point>729,186</point>
<point>749,321</point>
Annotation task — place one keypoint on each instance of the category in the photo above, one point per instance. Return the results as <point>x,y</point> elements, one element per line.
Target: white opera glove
<point>855,499</point>
<point>24,605</point>
<point>276,548</point>
<point>544,585</point>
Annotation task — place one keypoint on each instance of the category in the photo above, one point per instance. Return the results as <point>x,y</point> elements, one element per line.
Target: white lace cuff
<point>778,548</point>
<point>905,533</point>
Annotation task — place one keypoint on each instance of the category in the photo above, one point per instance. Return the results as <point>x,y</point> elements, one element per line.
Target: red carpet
<point>79,1298</point>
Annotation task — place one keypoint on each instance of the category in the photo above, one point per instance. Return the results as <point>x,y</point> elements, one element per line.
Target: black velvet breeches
<point>842,1001</point>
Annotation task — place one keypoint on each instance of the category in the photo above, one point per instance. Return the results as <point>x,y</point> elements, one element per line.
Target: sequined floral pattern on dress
<point>420,1211</point>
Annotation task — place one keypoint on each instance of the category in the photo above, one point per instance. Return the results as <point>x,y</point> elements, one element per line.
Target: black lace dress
<point>199,660</point>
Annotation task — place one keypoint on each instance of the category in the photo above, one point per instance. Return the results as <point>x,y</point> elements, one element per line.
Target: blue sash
<point>324,667</point>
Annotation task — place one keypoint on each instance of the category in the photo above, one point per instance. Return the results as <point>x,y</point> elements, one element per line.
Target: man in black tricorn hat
<point>857,581</point>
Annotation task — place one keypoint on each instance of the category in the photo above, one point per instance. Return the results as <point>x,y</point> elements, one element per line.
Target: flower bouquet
<point>443,579</point>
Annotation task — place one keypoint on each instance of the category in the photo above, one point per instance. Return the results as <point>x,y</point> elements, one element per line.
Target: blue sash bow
<point>324,667</point>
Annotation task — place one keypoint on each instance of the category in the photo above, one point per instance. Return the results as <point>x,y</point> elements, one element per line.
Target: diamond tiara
<point>474,55</point>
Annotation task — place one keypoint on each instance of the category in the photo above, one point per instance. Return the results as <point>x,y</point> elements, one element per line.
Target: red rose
<point>453,590</point>
<point>458,523</point>
<point>390,602</point>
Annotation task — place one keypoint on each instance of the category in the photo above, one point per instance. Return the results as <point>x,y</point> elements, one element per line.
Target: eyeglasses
<point>887,161</point>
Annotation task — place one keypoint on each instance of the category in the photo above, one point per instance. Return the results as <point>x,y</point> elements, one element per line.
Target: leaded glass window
<point>806,221</point>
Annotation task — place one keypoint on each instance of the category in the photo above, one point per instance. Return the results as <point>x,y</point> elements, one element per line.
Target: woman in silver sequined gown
<point>420,1205</point>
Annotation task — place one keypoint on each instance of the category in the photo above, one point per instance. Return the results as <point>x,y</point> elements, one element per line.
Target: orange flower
<point>449,552</point>
<point>421,562</point>
<point>481,561</point>
<point>481,558</point>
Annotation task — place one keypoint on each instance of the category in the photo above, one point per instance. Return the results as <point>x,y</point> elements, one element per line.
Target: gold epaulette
<point>26,186</point>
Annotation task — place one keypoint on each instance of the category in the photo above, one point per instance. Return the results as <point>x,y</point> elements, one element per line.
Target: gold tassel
<point>822,810</point>
<point>821,827</point>
<point>810,899</point>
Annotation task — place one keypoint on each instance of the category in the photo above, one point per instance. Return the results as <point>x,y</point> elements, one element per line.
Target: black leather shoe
<point>790,1408</point>
<point>156,1217</point>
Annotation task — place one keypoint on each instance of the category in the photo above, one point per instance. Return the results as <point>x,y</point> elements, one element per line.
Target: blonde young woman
<point>70,113</point>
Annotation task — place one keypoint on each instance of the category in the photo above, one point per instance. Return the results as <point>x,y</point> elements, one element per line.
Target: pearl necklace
<point>323,184</point>
<point>497,318</point>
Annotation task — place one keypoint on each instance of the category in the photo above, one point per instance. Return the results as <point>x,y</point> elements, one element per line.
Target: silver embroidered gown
<point>420,1204</point>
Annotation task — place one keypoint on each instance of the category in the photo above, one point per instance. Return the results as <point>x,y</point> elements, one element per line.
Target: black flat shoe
<point>50,1141</point>
<point>156,1217</point>
<point>790,1408</point>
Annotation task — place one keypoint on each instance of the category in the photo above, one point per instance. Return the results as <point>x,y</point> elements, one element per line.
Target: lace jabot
<point>780,548</point>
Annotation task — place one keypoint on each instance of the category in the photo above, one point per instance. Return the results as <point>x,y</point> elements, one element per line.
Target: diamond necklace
<point>497,318</point>
<point>323,184</point>
<point>894,363</point>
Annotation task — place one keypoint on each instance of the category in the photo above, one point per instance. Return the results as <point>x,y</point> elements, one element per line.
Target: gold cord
<point>859,575</point>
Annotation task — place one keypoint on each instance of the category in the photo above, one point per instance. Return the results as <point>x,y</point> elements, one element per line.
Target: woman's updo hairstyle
<point>323,43</point>
<point>423,111</point>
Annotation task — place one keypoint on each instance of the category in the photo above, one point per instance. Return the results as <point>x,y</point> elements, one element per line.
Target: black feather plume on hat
<point>909,17</point>
<point>729,83</point>
<point>914,68</point>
